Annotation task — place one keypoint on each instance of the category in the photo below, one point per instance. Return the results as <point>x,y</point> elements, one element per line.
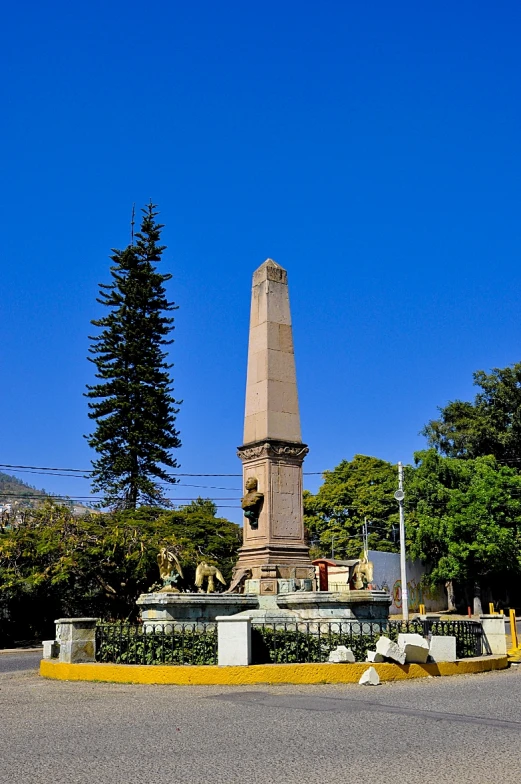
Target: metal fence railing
<point>159,643</point>
<point>277,642</point>
<point>313,641</point>
<point>468,634</point>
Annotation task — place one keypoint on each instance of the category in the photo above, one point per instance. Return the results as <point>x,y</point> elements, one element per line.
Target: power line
<point>81,476</point>
<point>97,497</point>
<point>87,472</point>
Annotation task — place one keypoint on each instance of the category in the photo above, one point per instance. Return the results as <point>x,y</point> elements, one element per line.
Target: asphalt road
<point>457,730</point>
<point>21,660</point>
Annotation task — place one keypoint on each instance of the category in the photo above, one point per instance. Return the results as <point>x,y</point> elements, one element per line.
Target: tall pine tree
<point>132,404</point>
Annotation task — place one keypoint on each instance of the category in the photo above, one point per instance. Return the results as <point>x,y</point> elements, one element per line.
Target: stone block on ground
<point>416,648</point>
<point>342,654</point>
<point>369,678</point>
<point>373,656</point>
<point>442,648</point>
<point>390,650</point>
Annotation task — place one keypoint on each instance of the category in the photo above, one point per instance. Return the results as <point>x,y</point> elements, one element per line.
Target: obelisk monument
<point>274,556</point>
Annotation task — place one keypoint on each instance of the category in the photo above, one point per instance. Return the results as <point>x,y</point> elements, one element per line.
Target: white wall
<point>387,576</point>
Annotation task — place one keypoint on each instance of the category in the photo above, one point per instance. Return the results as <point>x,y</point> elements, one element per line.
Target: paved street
<point>464,729</point>
<point>21,660</point>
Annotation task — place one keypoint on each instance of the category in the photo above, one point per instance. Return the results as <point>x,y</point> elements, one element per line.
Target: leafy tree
<point>56,564</point>
<point>491,425</point>
<point>132,404</point>
<point>354,491</point>
<point>463,520</point>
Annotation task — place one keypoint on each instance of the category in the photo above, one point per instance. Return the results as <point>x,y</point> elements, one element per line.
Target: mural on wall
<point>418,594</point>
<point>387,577</point>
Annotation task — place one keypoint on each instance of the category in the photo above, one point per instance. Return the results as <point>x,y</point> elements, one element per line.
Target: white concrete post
<point>233,640</point>
<point>494,634</point>
<point>76,639</point>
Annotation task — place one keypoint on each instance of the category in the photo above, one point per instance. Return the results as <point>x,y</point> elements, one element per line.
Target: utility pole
<point>399,496</point>
<point>332,546</point>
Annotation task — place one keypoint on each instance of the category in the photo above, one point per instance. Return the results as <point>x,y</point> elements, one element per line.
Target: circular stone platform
<point>166,607</point>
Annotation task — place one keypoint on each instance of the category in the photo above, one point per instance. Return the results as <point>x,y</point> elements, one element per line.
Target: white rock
<point>390,650</point>
<point>369,678</point>
<point>442,649</point>
<point>372,656</point>
<point>342,654</point>
<point>416,648</point>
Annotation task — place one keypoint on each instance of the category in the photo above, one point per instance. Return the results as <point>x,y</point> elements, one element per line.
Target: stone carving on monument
<point>252,502</point>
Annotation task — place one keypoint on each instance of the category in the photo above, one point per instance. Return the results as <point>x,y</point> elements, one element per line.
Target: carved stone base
<point>275,587</point>
<point>273,568</point>
<point>275,550</point>
<point>166,609</point>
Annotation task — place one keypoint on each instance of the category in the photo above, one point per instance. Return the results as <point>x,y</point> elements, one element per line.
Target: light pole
<point>399,496</point>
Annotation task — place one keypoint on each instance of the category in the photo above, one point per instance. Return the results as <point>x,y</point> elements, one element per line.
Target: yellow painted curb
<point>211,675</point>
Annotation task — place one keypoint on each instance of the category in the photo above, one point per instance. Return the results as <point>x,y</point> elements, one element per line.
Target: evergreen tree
<point>132,404</point>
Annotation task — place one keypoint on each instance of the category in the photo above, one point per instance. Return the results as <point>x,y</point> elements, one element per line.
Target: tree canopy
<point>463,519</point>
<point>132,404</point>
<point>355,491</point>
<point>490,425</point>
<point>56,564</point>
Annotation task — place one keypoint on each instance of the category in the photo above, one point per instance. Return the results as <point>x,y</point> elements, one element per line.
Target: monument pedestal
<point>165,608</point>
<point>274,552</point>
<point>178,608</point>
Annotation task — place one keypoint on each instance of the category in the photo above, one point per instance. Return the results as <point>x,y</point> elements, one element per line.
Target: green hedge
<point>283,646</point>
<point>175,647</point>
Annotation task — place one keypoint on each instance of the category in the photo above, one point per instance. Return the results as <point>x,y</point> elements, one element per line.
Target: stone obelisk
<point>274,555</point>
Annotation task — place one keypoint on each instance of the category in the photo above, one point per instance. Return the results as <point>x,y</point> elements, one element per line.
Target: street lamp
<point>399,496</point>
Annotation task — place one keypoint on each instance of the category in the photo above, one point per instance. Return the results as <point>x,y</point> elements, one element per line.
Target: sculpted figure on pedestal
<point>169,569</point>
<point>203,571</point>
<point>362,574</point>
<point>252,501</point>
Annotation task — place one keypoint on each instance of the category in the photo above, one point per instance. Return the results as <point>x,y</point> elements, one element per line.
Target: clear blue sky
<point>372,149</point>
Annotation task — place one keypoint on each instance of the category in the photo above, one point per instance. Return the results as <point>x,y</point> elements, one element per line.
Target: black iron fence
<point>468,634</point>
<point>313,641</point>
<point>277,642</point>
<point>157,643</point>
